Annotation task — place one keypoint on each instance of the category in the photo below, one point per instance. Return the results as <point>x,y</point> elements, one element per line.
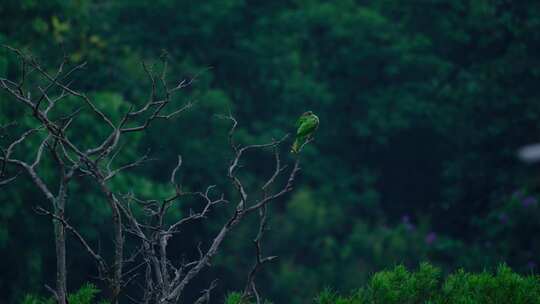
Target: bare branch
<point>194,216</point>
<point>136,163</point>
<point>52,291</point>
<point>8,180</point>
<point>100,261</point>
<point>40,152</point>
<point>250,288</point>
<point>175,170</point>
<point>205,297</point>
<point>82,96</point>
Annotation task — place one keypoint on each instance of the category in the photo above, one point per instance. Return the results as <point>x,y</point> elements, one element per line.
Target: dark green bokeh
<point>422,107</point>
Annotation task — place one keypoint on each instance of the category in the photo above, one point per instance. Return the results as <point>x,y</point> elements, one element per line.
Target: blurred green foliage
<point>422,106</point>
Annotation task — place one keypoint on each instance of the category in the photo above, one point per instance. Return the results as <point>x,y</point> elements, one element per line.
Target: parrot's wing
<point>300,120</point>
<point>307,127</point>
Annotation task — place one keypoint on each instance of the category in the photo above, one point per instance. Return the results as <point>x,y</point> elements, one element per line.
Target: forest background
<point>423,105</point>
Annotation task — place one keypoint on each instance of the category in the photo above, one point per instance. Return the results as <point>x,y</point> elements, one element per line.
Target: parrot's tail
<point>295,146</point>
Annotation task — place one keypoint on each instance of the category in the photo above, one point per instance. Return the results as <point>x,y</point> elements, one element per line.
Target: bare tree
<point>164,280</point>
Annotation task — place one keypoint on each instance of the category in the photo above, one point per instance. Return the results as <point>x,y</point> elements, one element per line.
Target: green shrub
<point>425,286</point>
<point>233,298</point>
<point>399,286</point>
<point>33,299</point>
<point>503,287</point>
<point>328,296</point>
<point>85,295</point>
<point>236,298</point>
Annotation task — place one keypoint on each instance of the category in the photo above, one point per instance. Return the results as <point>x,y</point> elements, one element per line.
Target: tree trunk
<point>60,244</point>
<point>61,272</point>
<point>118,254</point>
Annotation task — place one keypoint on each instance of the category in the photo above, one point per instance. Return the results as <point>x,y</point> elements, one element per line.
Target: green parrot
<point>306,124</point>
